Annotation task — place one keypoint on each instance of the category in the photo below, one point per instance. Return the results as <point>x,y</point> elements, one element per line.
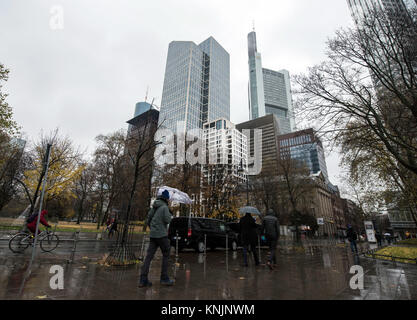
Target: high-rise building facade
<point>256,83</point>
<point>227,146</point>
<point>360,8</point>
<point>196,85</point>
<point>269,90</point>
<point>268,148</point>
<point>304,146</point>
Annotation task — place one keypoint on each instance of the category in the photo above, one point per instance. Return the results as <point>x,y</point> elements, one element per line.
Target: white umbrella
<point>387,234</point>
<point>251,210</point>
<point>175,195</point>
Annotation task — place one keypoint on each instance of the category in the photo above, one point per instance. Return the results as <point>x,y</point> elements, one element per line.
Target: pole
<point>48,153</point>
<point>205,251</point>
<point>247,190</point>
<point>46,167</point>
<point>259,248</point>
<point>227,252</point>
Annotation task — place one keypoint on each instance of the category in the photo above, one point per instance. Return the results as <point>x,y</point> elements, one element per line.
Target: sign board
<point>370,232</point>
<point>320,221</point>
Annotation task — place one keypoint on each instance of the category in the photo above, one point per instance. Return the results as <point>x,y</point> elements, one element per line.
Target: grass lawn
<point>65,226</point>
<point>408,241</point>
<point>398,252</point>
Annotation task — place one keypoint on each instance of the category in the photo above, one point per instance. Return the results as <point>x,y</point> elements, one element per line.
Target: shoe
<point>145,284</point>
<point>167,282</point>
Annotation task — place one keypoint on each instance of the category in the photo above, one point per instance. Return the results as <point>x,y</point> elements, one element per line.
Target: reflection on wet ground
<point>309,272</point>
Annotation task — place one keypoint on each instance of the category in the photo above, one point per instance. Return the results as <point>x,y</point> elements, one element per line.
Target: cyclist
<point>113,227</point>
<point>31,223</point>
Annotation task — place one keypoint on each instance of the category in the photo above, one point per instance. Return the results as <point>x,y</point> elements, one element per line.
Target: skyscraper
<point>196,85</point>
<point>256,83</point>
<point>269,90</point>
<point>360,8</point>
<point>304,146</point>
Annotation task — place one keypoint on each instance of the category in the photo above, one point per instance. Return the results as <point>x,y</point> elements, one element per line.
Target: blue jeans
<point>165,246</point>
<point>245,253</point>
<point>353,246</point>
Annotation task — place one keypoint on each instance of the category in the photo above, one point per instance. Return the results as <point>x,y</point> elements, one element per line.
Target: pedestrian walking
<point>378,237</point>
<point>158,220</point>
<point>352,237</point>
<point>271,230</point>
<point>249,235</point>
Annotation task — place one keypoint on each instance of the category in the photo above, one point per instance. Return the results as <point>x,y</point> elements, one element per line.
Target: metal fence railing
<point>373,253</point>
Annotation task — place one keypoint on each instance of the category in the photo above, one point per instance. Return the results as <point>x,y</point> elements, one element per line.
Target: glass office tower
<point>359,8</point>
<point>278,98</point>
<point>256,83</point>
<point>269,90</point>
<point>196,85</point>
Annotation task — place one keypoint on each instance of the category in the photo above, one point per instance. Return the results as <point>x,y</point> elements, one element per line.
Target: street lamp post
<point>241,169</point>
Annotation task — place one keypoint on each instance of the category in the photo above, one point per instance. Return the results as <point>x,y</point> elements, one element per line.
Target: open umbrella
<point>175,195</point>
<point>251,210</point>
<point>387,234</point>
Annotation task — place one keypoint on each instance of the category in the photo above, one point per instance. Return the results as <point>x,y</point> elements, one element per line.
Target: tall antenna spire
<point>146,96</point>
<point>253,25</point>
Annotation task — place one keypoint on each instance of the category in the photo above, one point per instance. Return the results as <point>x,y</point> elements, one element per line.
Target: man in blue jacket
<point>158,220</point>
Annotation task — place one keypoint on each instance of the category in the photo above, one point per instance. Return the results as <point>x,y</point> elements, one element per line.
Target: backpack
<point>32,217</point>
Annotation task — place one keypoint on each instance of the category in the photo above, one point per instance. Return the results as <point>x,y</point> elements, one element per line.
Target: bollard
<point>141,250</point>
<point>176,255</point>
<point>176,245</point>
<point>259,249</point>
<point>205,254</point>
<point>74,247</point>
<point>227,252</point>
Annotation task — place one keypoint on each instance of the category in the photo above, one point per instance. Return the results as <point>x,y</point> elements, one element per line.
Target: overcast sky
<point>87,77</point>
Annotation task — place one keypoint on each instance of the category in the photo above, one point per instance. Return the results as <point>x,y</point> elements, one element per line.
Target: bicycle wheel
<point>49,242</point>
<point>19,242</point>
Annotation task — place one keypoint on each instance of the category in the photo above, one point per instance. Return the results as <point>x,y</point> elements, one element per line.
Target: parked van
<point>191,231</point>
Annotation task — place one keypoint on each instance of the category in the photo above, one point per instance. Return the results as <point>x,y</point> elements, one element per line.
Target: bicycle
<point>47,239</point>
<point>110,232</point>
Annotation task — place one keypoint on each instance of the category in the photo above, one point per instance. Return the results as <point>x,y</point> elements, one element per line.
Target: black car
<point>235,227</point>
<point>191,233</point>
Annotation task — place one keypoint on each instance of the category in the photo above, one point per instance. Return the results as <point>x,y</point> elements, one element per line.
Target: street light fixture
<point>240,170</point>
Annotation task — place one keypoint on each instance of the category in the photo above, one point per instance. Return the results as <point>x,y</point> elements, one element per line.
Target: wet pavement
<point>314,271</point>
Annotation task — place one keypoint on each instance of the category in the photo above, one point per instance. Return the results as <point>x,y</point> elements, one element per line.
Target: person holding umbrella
<point>249,235</point>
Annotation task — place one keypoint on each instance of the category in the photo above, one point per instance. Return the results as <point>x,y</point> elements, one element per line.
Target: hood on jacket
<point>43,212</point>
<point>270,212</point>
<point>159,202</point>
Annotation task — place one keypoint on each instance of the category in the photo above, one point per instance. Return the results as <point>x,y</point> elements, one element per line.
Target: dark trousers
<point>353,246</point>
<point>252,246</point>
<point>272,247</point>
<point>154,243</point>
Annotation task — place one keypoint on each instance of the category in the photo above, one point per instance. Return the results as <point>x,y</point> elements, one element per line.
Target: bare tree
<point>64,169</point>
<point>83,189</point>
<point>108,163</point>
<point>138,158</point>
<point>368,86</point>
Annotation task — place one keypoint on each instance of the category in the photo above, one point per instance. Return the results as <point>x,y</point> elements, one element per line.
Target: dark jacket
<point>351,235</point>
<point>271,226</point>
<point>158,219</point>
<point>248,230</point>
